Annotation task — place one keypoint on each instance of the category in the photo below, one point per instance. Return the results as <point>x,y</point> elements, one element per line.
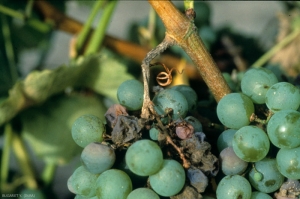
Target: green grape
<point>288,162</point>
<point>190,95</point>
<point>207,34</point>
<point>256,82</point>
<point>86,129</point>
<point>234,110</point>
<point>195,123</point>
<point>97,157</point>
<point>171,98</point>
<point>153,132</point>
<point>229,81</point>
<point>231,164</point>
<point>203,11</point>
<point>260,195</point>
<point>270,178</point>
<point>112,184</point>
<point>276,69</point>
<point>169,180</point>
<point>31,193</point>
<point>142,193</point>
<point>225,139</point>
<point>257,176</point>
<point>144,157</point>
<point>250,143</point>
<point>283,96</point>
<point>131,94</point>
<point>82,182</point>
<point>83,197</point>
<point>283,129</point>
<point>136,180</point>
<point>234,187</point>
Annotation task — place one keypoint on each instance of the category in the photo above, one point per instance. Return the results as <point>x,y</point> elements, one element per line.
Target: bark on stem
<point>183,32</point>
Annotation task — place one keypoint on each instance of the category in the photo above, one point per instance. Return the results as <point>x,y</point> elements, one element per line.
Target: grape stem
<point>182,30</point>
<point>147,104</point>
<point>185,163</point>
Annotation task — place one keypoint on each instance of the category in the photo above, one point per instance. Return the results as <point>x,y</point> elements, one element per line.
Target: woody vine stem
<point>181,31</point>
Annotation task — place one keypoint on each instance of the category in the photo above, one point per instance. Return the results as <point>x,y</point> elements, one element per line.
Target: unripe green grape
<point>260,195</point>
<point>87,129</point>
<point>250,143</point>
<point>171,98</point>
<point>265,176</point>
<point>234,187</point>
<point>131,94</point>
<point>231,164</point>
<point>83,197</point>
<point>234,110</point>
<point>190,95</point>
<point>82,182</point>
<point>97,157</point>
<point>229,81</point>
<point>283,96</point>
<point>288,162</point>
<point>153,133</point>
<point>112,184</point>
<point>142,193</point>
<point>195,123</point>
<point>144,157</point>
<point>225,139</point>
<point>169,180</point>
<point>256,82</point>
<point>257,176</point>
<point>283,129</point>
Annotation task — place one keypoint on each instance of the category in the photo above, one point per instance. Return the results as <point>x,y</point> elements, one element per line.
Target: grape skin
<point>169,180</point>
<point>153,133</point>
<point>260,195</point>
<point>283,96</point>
<point>130,94</point>
<point>288,162</point>
<point>256,82</point>
<point>171,98</point>
<point>142,193</point>
<point>82,182</point>
<point>271,180</point>
<point>113,183</point>
<point>250,143</point>
<point>234,110</point>
<point>97,157</point>
<point>234,186</point>
<point>190,95</point>
<point>144,157</point>
<point>225,139</point>
<point>86,129</point>
<point>231,164</point>
<point>283,129</point>
<point>195,123</point>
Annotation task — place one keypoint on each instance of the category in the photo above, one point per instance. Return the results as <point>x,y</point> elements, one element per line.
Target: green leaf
<point>47,128</point>
<point>105,75</point>
<point>101,73</point>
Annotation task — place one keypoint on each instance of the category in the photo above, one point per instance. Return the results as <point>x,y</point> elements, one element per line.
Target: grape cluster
<point>261,147</point>
<point>126,156</point>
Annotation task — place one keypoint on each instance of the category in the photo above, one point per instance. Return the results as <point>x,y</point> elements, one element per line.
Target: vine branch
<point>167,42</point>
<point>183,31</point>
